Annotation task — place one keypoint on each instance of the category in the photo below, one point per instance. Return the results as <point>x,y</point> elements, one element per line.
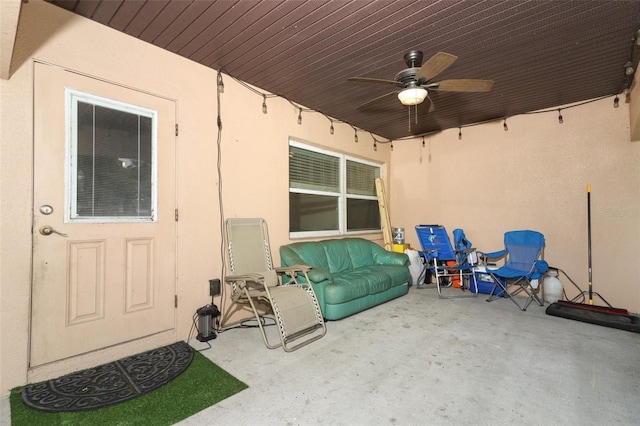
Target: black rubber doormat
<point>110,383</point>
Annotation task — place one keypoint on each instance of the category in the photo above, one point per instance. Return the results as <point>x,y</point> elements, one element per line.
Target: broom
<point>607,316</point>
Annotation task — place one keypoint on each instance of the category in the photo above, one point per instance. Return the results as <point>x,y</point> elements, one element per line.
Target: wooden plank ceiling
<point>540,53</point>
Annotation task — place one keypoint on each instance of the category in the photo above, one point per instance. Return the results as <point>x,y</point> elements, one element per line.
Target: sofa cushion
<point>360,252</point>
<point>337,254</point>
<point>311,253</point>
<point>355,283</point>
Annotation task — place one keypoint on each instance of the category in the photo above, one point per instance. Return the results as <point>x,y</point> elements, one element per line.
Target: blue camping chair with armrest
<point>445,263</point>
<point>523,266</point>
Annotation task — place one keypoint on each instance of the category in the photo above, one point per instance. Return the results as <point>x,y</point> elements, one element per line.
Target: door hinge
<point>176,129</point>
<point>176,215</point>
<point>175,301</point>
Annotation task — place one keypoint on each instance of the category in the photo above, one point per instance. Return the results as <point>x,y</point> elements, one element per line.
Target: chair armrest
<point>429,254</point>
<point>294,274</point>
<point>293,268</point>
<point>540,266</point>
<point>493,254</point>
<point>466,250</point>
<point>243,280</point>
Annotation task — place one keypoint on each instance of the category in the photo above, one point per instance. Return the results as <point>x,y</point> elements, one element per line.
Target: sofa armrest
<point>317,275</point>
<point>385,257</point>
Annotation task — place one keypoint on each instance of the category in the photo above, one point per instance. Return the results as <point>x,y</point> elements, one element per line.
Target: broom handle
<point>589,241</point>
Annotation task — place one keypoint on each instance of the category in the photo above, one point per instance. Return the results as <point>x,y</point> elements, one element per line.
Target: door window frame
<point>72,97</point>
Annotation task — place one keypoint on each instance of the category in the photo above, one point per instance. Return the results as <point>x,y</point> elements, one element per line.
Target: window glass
<point>309,212</point>
<point>111,161</point>
<point>330,193</point>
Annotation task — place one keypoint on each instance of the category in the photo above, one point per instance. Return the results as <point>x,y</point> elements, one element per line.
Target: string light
<point>616,101</point>
<point>220,82</point>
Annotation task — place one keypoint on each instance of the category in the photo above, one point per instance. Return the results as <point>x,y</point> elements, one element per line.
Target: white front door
<point>104,244</point>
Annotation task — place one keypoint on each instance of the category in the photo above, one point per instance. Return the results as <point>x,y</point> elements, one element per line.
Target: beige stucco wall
<point>253,145</point>
<point>534,176</point>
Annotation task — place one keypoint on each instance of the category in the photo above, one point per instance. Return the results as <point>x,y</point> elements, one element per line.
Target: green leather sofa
<point>350,275</point>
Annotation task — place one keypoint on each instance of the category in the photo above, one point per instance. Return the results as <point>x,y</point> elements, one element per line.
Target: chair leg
<point>523,285</point>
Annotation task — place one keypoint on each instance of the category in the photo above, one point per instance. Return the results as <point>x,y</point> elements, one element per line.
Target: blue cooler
<point>485,282</point>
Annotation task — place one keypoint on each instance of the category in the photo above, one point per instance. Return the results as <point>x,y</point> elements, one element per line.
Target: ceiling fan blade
<point>435,65</point>
<point>463,85</point>
<point>374,100</point>
<point>373,80</point>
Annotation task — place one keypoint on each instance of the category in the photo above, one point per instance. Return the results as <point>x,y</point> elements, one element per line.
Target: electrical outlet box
<point>214,287</point>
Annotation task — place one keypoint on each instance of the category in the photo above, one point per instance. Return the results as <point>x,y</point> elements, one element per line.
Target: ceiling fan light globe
<point>412,95</point>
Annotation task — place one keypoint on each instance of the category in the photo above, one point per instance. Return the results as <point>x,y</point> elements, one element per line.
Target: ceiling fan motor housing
<point>413,59</point>
<point>406,76</point>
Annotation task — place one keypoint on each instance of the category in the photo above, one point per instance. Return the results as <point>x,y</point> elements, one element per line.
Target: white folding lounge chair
<point>286,291</point>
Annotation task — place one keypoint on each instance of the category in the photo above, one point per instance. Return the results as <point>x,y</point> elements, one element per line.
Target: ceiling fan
<point>415,81</point>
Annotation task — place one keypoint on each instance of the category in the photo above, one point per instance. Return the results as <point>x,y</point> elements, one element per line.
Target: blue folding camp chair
<point>523,266</point>
<point>445,263</point>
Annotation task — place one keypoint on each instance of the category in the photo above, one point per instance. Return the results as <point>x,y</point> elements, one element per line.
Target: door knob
<point>48,230</point>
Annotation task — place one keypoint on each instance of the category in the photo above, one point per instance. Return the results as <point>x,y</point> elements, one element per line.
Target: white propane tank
<point>552,287</point>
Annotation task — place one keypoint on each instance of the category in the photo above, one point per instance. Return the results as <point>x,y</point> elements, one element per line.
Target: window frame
<point>342,196</point>
<point>72,97</point>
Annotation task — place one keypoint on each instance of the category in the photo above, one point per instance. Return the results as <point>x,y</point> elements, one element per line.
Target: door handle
<point>48,230</point>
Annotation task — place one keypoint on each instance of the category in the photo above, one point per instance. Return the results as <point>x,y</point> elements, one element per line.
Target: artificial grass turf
<point>201,385</point>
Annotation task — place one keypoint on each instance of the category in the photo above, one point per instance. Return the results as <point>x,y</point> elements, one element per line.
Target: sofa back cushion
<point>338,256</point>
<point>334,255</point>
<point>311,253</point>
<point>361,252</point>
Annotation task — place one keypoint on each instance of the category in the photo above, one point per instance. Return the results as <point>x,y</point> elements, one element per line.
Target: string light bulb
<point>616,102</point>
<point>300,116</point>
<point>331,129</point>
<point>264,104</point>
<point>355,136</point>
<point>459,133</point>
<point>560,119</point>
<point>506,128</point>
<point>391,145</point>
<point>423,141</point>
<point>628,68</point>
<point>220,83</point>
<point>375,146</point>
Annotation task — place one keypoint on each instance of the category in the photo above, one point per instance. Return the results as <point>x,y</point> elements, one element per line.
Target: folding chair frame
<point>506,277</point>
<point>437,251</point>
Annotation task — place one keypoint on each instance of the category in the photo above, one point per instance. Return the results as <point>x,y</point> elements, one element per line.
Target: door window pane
<point>112,168</point>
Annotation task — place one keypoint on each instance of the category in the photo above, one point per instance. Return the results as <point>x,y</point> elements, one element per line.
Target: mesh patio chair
<point>285,292</point>
<point>451,268</point>
<point>523,267</point>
